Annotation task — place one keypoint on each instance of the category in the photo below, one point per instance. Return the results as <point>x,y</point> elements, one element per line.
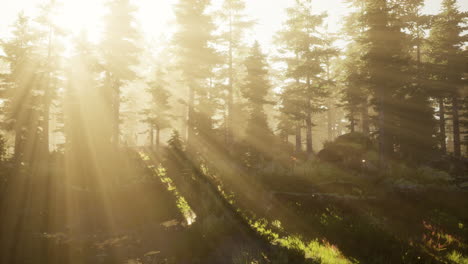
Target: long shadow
<point>355,228</point>
<point>225,231</point>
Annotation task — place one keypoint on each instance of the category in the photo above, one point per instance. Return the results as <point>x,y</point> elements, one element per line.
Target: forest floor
<point>172,215</point>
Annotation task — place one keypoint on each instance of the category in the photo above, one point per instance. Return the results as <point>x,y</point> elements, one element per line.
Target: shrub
<point>348,150</point>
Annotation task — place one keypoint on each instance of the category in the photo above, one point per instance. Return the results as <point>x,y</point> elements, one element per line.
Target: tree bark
<point>116,114</point>
<point>456,127</point>
<point>230,122</point>
<point>382,141</point>
<point>384,144</point>
<point>190,115</point>
<point>365,119</point>
<point>158,132</point>
<point>352,122</point>
<point>309,122</point>
<point>310,150</point>
<point>151,130</point>
<point>443,144</point>
<point>298,137</point>
<point>330,123</point>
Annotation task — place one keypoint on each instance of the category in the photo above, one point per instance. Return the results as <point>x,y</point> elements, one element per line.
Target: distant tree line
<point>401,79</point>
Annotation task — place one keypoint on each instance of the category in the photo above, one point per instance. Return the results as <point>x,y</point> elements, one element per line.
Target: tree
<point>356,90</point>
<point>417,124</point>
<point>50,69</point>
<point>86,118</point>
<point>385,64</point>
<point>235,22</point>
<point>255,89</point>
<point>302,40</point>
<point>446,40</point>
<point>157,116</point>
<point>176,150</point>
<point>196,59</point>
<point>22,88</point>
<point>291,112</point>
<point>119,53</point>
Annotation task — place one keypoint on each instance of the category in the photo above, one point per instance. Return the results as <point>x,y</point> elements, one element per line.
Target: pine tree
<point>235,24</point>
<point>385,63</point>
<point>50,70</point>
<point>255,89</point>
<point>196,59</point>
<point>301,38</point>
<point>22,88</point>
<point>356,90</point>
<point>119,52</point>
<point>417,124</point>
<point>292,112</point>
<point>86,120</point>
<point>446,51</point>
<point>157,116</point>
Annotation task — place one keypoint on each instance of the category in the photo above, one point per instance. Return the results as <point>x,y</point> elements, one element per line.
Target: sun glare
<point>82,16</point>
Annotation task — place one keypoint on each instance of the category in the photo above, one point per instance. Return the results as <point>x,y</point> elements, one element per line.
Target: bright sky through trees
<point>156,18</point>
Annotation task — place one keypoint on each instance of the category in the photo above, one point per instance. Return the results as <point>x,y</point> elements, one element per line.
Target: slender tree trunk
<point>352,121</point>
<point>19,147</point>
<point>365,119</point>
<point>151,130</point>
<point>190,115</point>
<point>456,127</point>
<point>443,136</point>
<point>330,117</point>
<point>44,152</point>
<point>310,150</point>
<point>383,140</point>
<point>330,123</point>
<point>309,122</point>
<point>116,115</point>
<point>231,88</point>
<point>298,137</point>
<point>45,124</point>
<point>158,136</point>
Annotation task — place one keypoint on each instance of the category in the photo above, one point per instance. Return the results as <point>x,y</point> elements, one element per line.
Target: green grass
<point>181,202</point>
<point>457,258</point>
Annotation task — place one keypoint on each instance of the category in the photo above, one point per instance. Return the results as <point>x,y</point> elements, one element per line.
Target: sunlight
<point>233,131</point>
<point>82,16</point>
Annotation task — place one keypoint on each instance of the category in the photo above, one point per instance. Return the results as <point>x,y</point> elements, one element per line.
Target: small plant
<point>457,258</point>
<point>436,239</point>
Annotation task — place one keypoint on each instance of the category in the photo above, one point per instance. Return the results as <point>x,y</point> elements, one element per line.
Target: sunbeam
<point>233,131</point>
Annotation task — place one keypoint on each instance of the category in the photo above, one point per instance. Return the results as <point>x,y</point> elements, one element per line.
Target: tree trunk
<point>456,127</point>
<point>383,138</point>
<point>382,142</point>
<point>309,122</point>
<point>352,122</point>
<point>310,150</point>
<point>190,116</point>
<point>151,130</point>
<point>45,124</point>
<point>19,146</point>
<point>443,137</point>
<point>365,119</point>
<point>330,123</point>
<point>230,122</point>
<point>158,132</point>
<point>116,115</point>
<point>298,137</point>
<point>44,151</point>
